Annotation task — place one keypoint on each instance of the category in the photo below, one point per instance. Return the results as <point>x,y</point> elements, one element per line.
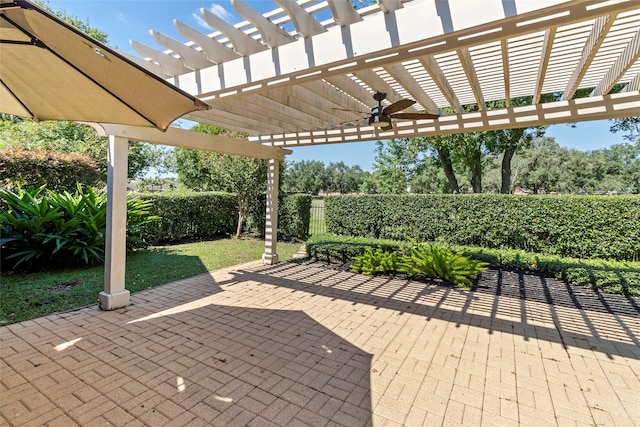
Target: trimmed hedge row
<point>619,277</point>
<point>208,214</point>
<point>294,215</point>
<point>190,216</point>
<point>569,226</point>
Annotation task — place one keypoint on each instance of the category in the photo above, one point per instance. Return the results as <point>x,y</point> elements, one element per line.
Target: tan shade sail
<point>51,71</point>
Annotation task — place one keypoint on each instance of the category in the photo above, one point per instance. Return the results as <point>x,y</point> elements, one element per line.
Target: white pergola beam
<point>242,43</point>
<point>389,5</point>
<point>357,92</point>
<point>175,137</point>
<point>215,51</point>
<point>402,76</point>
<point>467,65</point>
<point>633,85</point>
<point>599,30</point>
<point>626,59</point>
<point>171,65</point>
<point>301,99</point>
<point>549,37</point>
<point>190,57</point>
<point>431,65</point>
<point>229,120</point>
<point>280,115</point>
<point>504,47</point>
<point>272,35</point>
<point>377,84</point>
<point>305,24</point>
<point>343,12</point>
<point>331,54</point>
<point>573,110</point>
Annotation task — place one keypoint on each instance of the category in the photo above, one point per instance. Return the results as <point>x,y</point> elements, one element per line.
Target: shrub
<point>42,229</point>
<point>440,262</point>
<point>294,215</point>
<point>380,261</point>
<point>568,226</point>
<point>190,216</point>
<point>622,277</point>
<point>57,171</point>
<point>342,249</point>
<point>204,215</point>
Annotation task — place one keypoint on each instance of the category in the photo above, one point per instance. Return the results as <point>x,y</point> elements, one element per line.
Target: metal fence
<point>317,225</point>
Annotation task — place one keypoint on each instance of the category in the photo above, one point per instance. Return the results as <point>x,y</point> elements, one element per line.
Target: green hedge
<point>620,277</point>
<point>208,214</point>
<point>294,215</point>
<point>59,172</point>
<point>569,226</point>
<point>191,216</point>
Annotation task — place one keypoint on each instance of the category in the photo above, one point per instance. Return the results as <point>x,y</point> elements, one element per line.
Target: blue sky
<point>132,19</point>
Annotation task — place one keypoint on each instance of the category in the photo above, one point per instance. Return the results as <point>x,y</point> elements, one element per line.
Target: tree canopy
<point>209,171</point>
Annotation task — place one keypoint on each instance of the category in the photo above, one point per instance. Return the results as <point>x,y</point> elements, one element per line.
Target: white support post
<point>115,295</point>
<point>270,255</point>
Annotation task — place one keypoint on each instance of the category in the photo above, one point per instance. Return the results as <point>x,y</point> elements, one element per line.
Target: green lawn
<point>27,296</point>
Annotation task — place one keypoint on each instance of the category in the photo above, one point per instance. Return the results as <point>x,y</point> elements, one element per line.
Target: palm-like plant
<point>437,261</point>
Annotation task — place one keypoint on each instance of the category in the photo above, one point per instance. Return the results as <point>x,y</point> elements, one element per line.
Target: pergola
<point>305,73</point>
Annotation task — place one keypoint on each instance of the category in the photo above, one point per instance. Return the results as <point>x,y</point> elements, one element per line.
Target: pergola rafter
<point>443,54</point>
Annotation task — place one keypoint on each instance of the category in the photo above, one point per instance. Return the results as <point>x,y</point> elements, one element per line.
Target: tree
<point>397,163</point>
<point>208,171</point>
<point>630,125</point>
<point>442,145</point>
<point>76,22</point>
<point>72,137</point>
<point>344,179</point>
<point>306,176</point>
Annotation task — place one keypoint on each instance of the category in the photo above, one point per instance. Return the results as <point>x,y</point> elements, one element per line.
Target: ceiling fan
<point>381,117</point>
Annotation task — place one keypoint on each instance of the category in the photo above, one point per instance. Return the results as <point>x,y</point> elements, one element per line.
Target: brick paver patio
<point>295,345</point>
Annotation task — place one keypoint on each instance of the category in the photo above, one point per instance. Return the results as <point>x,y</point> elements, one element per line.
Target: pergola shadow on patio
<point>298,344</point>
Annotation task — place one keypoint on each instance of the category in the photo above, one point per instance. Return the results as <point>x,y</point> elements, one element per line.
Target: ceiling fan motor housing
<point>378,119</point>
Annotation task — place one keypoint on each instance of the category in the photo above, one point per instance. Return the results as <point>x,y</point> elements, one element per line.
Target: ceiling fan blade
<point>414,116</point>
<point>398,106</point>
<point>350,111</point>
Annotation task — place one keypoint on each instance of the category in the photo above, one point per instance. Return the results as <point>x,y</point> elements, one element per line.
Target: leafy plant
<point>374,262</point>
<point>41,228</point>
<point>437,261</point>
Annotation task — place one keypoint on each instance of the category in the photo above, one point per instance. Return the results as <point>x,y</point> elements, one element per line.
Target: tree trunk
<point>505,187</point>
<point>447,165</point>
<point>476,181</point>
<point>242,211</point>
<point>240,224</point>
<point>475,166</point>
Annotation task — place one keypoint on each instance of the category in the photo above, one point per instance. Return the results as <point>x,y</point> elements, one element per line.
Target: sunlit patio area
<point>291,344</point>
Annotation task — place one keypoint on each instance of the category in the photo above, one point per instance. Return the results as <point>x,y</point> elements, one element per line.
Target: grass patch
<point>31,295</point>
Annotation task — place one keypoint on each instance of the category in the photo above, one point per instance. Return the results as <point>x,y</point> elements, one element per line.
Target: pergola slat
<point>443,54</point>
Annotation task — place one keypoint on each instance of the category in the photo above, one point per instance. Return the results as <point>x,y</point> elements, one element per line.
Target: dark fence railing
<point>317,225</point>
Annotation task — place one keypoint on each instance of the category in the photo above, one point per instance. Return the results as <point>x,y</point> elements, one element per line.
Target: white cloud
<point>217,10</point>
<point>122,18</point>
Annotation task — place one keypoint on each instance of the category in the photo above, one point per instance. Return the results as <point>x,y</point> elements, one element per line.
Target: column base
<point>269,259</point>
<point>114,301</point>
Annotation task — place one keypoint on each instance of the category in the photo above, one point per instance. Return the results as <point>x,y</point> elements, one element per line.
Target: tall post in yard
<point>270,255</point>
<point>115,295</point>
